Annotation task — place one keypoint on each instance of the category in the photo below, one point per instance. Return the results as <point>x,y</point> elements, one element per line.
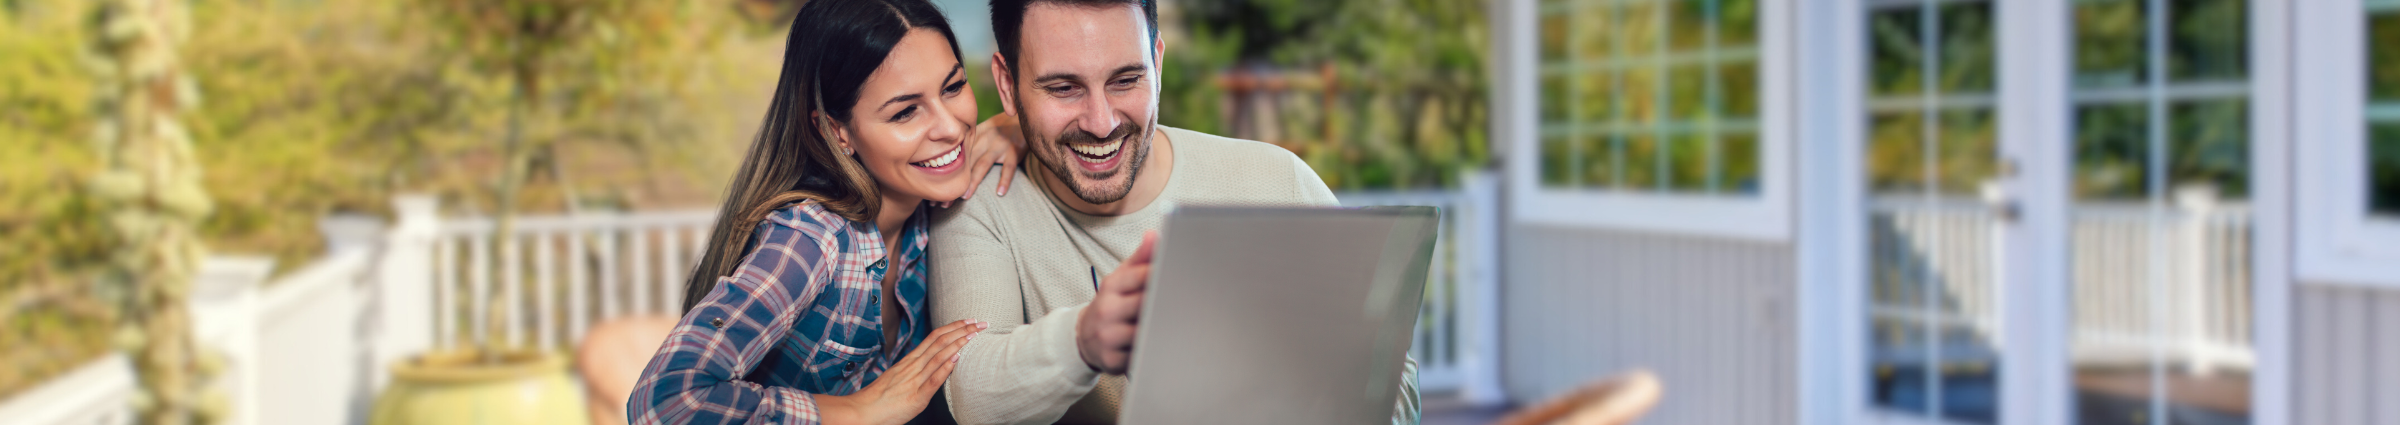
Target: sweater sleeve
<point>1024,369</point>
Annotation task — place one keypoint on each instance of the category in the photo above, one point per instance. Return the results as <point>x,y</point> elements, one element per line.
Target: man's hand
<point>1104,332</point>
<point>996,142</point>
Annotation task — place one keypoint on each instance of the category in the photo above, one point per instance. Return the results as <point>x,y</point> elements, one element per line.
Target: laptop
<point>1279,315</point>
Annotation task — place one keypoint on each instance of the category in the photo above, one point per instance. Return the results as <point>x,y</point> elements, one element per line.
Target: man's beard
<point>1099,193</point>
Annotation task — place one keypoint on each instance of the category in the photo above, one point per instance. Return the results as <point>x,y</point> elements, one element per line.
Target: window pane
<point>1595,98</point>
<point>1554,108</point>
<point>1601,162</point>
<point>1687,162</point>
<point>1641,163</point>
<point>2208,40</point>
<point>1741,164</point>
<point>2108,43</point>
<point>1894,44</point>
<point>2383,180</point>
<point>1969,150</point>
<point>1895,157</point>
<point>1967,47</point>
<point>2383,55</point>
<point>1554,38</point>
<point>2209,144</point>
<point>1687,85</point>
<point>1739,86</point>
<point>1687,25</point>
<point>1558,161</point>
<point>2111,150</point>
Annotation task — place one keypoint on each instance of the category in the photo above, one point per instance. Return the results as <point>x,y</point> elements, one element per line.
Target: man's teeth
<point>942,161</point>
<point>1097,153</point>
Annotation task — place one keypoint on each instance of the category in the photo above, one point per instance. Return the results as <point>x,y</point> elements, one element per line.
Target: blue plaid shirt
<point>802,316</point>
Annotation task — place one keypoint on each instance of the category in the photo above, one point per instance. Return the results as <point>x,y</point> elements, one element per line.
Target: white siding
<point>2348,350</point>
<point>1710,316</point>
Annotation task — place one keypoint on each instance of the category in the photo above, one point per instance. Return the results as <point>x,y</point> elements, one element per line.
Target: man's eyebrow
<point>954,70</point>
<point>1063,76</point>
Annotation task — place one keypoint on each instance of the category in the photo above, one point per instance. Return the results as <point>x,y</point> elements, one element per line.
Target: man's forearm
<point>1030,374</point>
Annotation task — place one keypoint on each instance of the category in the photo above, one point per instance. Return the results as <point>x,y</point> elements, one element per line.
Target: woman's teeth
<point>941,161</point>
<point>1097,153</point>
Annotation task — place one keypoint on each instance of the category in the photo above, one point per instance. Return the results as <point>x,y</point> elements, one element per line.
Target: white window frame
<point>1763,216</point>
<point>2337,241</point>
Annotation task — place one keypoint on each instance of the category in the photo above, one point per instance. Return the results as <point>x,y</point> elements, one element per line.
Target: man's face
<point>1085,94</point>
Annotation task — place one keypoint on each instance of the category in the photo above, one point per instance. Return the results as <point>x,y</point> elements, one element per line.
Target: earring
<point>846,151</point>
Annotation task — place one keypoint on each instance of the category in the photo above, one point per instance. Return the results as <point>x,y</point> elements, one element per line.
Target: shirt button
<point>873,299</point>
<point>717,322</point>
<point>849,367</point>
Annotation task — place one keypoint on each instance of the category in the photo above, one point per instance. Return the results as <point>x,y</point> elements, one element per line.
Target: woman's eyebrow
<point>954,70</point>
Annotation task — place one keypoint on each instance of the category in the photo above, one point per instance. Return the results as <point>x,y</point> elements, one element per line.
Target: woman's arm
<point>696,375</point>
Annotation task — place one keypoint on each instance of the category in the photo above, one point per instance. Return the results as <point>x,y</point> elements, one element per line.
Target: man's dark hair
<point>1008,19</point>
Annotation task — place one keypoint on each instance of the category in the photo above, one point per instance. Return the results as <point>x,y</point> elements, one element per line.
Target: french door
<point>2049,217</point>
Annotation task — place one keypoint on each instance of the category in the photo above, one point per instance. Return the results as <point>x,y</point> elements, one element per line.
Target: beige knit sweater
<point>1024,263</point>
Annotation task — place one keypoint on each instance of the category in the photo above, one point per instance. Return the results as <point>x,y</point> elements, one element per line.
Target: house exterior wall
<point>2346,355</point>
<point>1712,317</point>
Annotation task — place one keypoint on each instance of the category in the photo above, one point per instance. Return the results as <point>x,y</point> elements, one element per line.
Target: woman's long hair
<point>834,46</point>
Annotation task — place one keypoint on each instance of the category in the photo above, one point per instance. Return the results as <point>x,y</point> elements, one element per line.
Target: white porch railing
<point>98,393</point>
<point>1950,246</point>
<point>582,269</point>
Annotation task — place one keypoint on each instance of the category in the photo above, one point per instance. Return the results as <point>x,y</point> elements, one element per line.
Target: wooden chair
<point>1615,400</point>
<point>611,359</point>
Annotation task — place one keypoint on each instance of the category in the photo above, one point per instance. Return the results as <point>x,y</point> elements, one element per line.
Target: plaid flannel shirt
<point>800,317</point>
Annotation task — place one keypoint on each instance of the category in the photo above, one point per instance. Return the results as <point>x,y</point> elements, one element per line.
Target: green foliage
<point>48,324</point>
<point>1408,93</point>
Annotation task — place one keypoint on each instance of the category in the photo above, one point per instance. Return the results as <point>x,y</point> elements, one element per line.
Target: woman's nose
<point>948,129</point>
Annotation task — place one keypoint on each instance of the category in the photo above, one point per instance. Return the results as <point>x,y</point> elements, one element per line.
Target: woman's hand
<point>996,142</point>
<point>904,389</point>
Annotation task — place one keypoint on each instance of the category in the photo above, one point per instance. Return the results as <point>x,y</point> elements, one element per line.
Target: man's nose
<point>1097,117</point>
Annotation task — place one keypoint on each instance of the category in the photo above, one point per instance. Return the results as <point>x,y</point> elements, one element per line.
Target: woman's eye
<point>954,88</point>
<point>904,114</point>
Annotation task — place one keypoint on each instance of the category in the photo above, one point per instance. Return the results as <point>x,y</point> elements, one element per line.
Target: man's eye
<point>1126,82</point>
<point>1061,91</point>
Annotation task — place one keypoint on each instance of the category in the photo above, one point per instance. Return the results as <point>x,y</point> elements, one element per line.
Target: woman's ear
<point>832,131</point>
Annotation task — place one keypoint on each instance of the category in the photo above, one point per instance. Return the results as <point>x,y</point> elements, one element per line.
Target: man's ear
<point>1006,83</point>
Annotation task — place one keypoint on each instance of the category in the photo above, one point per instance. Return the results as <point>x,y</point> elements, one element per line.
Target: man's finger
<point>1131,279</point>
<point>1141,255</point>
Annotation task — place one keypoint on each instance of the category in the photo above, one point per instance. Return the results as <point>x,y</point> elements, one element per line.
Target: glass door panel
<point>1933,312</point>
<point>2159,220</point>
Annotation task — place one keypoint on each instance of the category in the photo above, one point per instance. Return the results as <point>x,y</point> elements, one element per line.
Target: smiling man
<point>1060,275</point>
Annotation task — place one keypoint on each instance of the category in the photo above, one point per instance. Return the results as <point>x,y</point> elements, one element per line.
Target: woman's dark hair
<point>834,46</point>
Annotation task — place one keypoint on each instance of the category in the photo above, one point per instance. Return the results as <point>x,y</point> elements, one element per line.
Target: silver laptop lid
<point>1272,316</point>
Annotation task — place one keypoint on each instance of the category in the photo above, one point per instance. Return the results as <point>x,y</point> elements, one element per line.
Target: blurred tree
<point>151,197</point>
<point>50,321</point>
<point>1380,93</point>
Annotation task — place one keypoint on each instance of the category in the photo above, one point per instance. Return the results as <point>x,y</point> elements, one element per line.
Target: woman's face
<point>912,120</point>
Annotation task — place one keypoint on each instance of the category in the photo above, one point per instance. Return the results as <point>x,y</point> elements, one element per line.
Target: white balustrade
<point>1947,247</point>
<point>541,298</point>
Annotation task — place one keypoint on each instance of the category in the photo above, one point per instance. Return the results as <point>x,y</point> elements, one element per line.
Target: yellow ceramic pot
<point>468,387</point>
